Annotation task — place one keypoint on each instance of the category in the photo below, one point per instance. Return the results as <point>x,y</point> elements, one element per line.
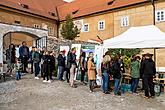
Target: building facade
<point>103,18</point>
<point>111,22</point>
<point>31,14</point>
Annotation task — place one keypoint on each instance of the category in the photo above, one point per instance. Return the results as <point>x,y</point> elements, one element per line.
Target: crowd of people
<point>44,62</point>
<point>41,61</point>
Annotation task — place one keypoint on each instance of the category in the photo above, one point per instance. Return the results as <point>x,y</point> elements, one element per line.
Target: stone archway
<point>8,28</point>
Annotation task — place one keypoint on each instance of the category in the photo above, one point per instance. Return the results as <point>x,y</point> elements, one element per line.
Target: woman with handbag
<point>91,72</point>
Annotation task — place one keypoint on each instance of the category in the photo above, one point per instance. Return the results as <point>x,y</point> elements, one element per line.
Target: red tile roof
<point>86,7</point>
<point>39,7</point>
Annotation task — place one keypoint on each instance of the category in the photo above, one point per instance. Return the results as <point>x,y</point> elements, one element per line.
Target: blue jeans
<point>117,86</point>
<point>60,72</point>
<point>134,85</point>
<point>105,84</point>
<point>37,69</point>
<point>18,75</point>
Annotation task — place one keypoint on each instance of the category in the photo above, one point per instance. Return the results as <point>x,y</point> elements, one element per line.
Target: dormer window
<point>17,22</point>
<point>74,12</point>
<point>25,6</point>
<point>110,2</point>
<point>52,14</point>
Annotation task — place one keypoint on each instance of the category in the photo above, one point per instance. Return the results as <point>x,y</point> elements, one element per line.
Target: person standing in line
<point>82,66</point>
<point>11,58</point>
<point>91,72</point>
<point>46,67</point>
<point>31,60</point>
<point>117,75</point>
<point>42,53</point>
<point>135,73</point>
<point>52,69</point>
<point>68,66</point>
<point>36,60</point>
<point>141,72</point>
<point>73,67</point>
<point>149,71</point>
<point>24,56</point>
<point>61,65</point>
<point>105,69</point>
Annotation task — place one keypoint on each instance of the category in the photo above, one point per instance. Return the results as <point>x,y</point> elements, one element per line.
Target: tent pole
<point>155,55</point>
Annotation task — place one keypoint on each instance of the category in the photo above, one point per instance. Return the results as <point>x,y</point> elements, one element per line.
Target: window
<point>17,22</point>
<point>50,31</point>
<point>101,25</point>
<point>160,15</point>
<point>52,14</point>
<point>124,21</point>
<point>25,6</point>
<point>86,27</point>
<point>36,26</point>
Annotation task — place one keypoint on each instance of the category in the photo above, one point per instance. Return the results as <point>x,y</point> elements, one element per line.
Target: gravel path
<point>31,94</point>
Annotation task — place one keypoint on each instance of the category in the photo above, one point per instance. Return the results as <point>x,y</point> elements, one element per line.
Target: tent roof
<point>138,37</point>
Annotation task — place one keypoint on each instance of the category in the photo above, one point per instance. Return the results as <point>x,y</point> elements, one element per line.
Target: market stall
<point>143,37</point>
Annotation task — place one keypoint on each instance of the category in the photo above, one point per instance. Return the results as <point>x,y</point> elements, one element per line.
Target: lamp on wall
<point>100,39</point>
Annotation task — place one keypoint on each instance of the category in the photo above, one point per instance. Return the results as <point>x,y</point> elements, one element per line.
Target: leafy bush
<point>126,53</point>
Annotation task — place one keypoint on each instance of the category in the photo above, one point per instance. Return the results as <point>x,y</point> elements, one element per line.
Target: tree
<point>69,30</point>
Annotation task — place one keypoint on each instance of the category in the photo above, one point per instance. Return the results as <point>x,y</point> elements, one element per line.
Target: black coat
<point>10,55</point>
<point>61,60</point>
<point>148,68</point>
<point>46,63</point>
<point>116,70</point>
<point>52,58</point>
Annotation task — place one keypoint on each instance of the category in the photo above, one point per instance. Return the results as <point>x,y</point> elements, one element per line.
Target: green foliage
<point>126,53</point>
<point>127,61</point>
<point>69,30</point>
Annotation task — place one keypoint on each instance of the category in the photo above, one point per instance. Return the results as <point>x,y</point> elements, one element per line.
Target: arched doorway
<point>16,34</point>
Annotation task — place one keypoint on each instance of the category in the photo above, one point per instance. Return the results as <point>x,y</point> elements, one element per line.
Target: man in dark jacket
<point>24,56</point>
<point>61,65</point>
<point>11,58</point>
<point>31,60</point>
<point>148,69</point>
<point>117,75</point>
<point>69,59</point>
<point>36,60</point>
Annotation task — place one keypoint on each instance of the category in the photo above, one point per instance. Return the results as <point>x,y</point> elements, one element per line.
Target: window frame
<point>37,26</point>
<point>156,15</point>
<point>123,19</point>
<point>84,27</point>
<point>103,25</point>
<point>50,33</point>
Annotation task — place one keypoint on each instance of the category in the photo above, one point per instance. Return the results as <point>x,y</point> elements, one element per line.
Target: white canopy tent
<point>138,37</point>
<point>142,37</point>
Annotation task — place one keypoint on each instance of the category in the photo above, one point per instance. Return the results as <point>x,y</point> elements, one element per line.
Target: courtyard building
<point>103,18</point>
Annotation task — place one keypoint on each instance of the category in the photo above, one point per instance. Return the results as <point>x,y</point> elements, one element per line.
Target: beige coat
<point>91,70</point>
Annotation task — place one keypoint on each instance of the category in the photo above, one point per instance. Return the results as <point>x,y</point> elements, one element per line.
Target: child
<point>18,67</point>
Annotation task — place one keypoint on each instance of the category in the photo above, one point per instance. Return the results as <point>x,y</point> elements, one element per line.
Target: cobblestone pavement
<point>31,94</point>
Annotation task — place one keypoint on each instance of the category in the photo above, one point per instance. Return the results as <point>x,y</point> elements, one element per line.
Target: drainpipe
<point>154,23</point>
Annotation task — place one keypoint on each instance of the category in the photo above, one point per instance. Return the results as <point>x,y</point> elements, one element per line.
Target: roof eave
<point>29,12</point>
<point>108,10</point>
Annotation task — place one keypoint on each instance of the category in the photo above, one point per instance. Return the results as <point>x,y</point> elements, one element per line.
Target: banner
<point>98,56</point>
